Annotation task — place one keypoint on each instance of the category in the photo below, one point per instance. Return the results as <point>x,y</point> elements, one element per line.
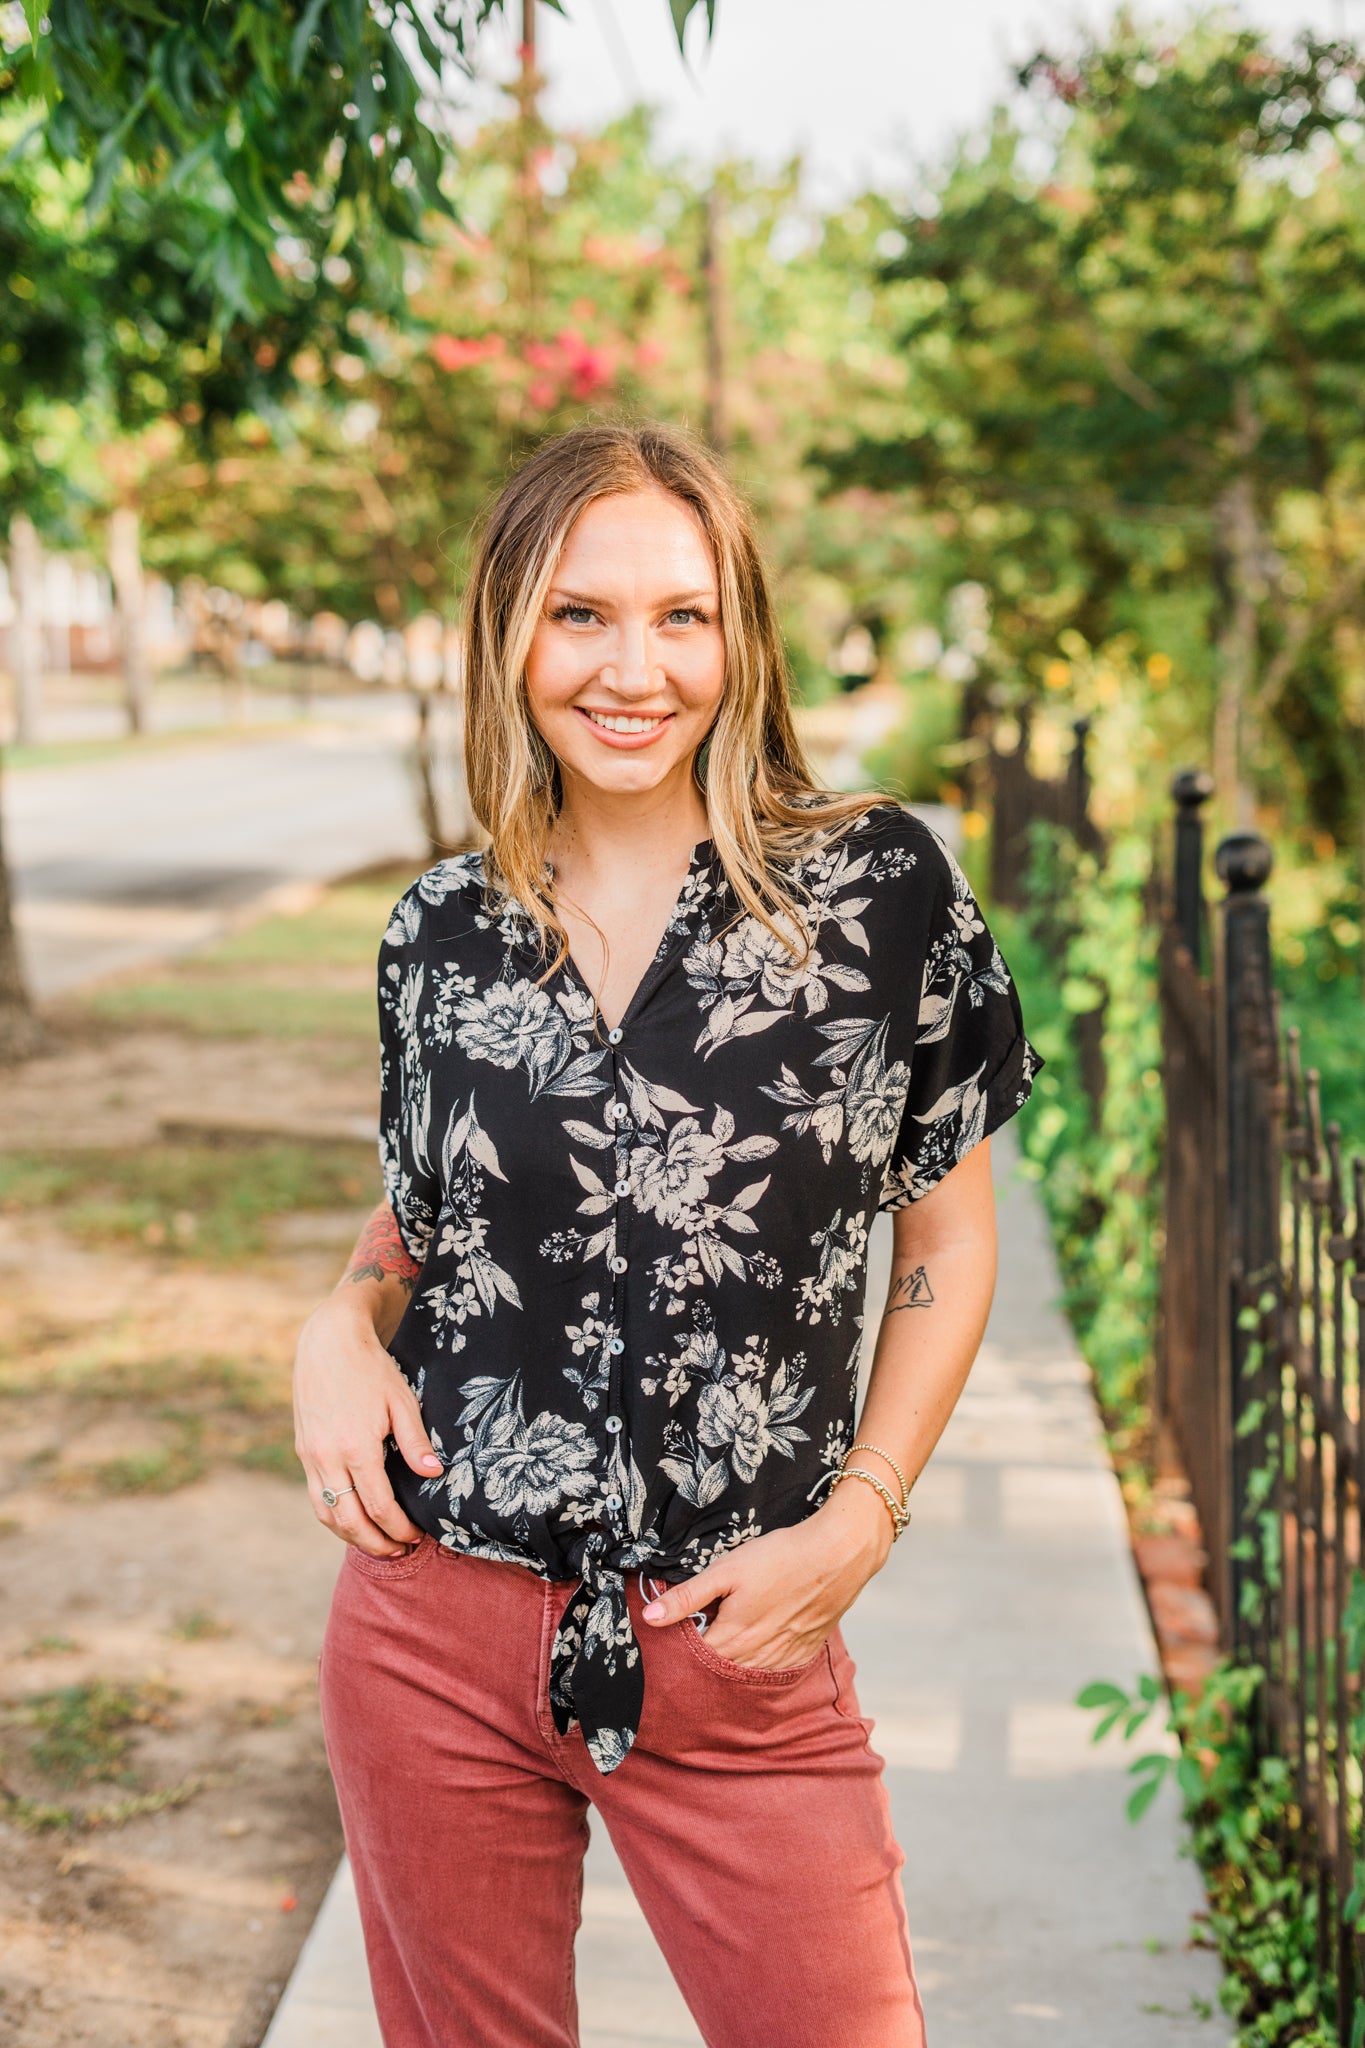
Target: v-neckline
<point>657,960</point>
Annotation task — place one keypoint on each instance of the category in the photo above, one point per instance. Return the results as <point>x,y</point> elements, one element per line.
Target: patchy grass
<point>84,1732</point>
<point>161,1468</point>
<point>197,1412</point>
<point>221,1006</point>
<point>306,976</point>
<point>211,1202</point>
<point>42,1817</point>
<point>199,1626</point>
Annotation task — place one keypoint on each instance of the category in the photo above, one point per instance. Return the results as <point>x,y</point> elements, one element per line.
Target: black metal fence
<point>1259,1355</point>
<point>1020,797</point>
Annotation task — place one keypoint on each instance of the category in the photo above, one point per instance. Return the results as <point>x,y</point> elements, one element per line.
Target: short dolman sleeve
<point>972,1067</point>
<point>412,1180</point>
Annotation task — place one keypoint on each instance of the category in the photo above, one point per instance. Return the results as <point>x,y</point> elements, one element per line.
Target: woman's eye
<point>576,614</point>
<point>685,615</point>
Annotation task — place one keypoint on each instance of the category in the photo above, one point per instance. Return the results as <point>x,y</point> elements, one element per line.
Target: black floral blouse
<point>635,1335</point>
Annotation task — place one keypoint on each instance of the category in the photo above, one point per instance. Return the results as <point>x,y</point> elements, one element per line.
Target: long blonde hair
<point>763,806</point>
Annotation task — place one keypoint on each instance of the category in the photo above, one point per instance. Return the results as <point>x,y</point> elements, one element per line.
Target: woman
<point>582,1407</point>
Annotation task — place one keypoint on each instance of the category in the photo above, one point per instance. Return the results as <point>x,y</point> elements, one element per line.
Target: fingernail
<point>655,1611</point>
<point>431,1463</point>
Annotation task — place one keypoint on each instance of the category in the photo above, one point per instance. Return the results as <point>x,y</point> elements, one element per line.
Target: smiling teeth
<point>620,724</point>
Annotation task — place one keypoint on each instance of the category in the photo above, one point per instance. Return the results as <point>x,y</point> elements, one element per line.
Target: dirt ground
<point>167,1824</point>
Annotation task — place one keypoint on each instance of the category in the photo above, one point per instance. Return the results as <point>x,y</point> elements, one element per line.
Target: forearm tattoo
<point>911,1290</point>
<point>380,1253</point>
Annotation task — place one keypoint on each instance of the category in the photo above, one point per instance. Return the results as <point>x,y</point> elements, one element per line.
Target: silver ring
<point>330,1498</point>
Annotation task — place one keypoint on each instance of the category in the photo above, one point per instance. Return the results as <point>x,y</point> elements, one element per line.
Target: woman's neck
<point>592,839</point>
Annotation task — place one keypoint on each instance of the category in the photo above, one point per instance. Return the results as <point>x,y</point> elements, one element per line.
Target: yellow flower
<point>1057,675</point>
<point>973,825</point>
<point>1159,668</point>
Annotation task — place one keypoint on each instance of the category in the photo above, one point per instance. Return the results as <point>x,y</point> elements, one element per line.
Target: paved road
<point>121,862</point>
<point>1038,1915</point>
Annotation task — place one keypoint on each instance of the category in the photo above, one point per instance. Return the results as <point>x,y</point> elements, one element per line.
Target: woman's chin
<point>618,772</point>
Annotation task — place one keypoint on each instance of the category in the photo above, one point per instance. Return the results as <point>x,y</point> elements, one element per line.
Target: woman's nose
<point>636,672</point>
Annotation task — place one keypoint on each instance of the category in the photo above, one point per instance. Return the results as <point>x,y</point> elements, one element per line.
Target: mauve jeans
<point>750,1817</point>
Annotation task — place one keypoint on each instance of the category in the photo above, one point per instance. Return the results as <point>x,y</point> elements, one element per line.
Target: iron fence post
<point>1191,788</point>
<point>1250,1166</point>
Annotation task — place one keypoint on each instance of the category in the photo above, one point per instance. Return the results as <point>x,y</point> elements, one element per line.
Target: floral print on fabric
<point>635,1337</point>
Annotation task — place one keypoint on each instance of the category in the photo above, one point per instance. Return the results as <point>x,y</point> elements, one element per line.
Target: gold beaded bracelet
<point>878,1452</point>
<point>899,1516</point>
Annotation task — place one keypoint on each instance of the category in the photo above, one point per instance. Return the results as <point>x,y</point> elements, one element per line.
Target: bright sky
<point>862,87</point>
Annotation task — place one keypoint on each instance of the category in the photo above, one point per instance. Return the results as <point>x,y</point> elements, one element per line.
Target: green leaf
<point>33,15</point>
<point>681,11</point>
<point>1100,1693</point>
<point>1154,1770</point>
<point>1250,1419</point>
<point>1080,995</point>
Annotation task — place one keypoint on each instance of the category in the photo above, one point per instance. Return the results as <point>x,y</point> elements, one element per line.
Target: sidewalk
<point>1037,1913</point>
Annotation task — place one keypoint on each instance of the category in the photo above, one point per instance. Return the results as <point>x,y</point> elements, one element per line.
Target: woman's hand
<point>781,1594</point>
<point>349,1397</point>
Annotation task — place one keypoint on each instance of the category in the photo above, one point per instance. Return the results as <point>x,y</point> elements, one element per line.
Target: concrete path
<point>1039,1916</point>
<point>118,863</point>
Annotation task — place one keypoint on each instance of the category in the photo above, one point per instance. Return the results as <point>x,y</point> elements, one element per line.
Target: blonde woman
<point>582,1407</point>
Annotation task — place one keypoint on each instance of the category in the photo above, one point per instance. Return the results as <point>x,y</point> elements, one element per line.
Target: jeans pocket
<point>745,1674</point>
<point>405,1566</point>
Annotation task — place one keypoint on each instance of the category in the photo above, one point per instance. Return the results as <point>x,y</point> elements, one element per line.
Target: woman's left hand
<point>781,1594</point>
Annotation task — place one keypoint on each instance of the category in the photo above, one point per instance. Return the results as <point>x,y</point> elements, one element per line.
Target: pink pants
<point>750,1817</point>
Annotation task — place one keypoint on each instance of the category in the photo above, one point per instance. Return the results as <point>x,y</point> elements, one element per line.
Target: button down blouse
<point>636,1331</point>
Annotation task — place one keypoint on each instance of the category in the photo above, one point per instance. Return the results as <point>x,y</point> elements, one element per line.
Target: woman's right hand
<point>349,1398</point>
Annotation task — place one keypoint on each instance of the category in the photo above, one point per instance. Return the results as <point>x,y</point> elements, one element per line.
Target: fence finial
<point>1191,787</point>
<point>1243,861</point>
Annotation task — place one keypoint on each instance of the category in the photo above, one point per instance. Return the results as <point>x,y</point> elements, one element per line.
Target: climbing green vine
<point>1242,1817</point>
<point>1097,1168</point>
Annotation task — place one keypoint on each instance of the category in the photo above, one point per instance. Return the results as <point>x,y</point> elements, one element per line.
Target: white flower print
<point>409,1002</point>
<point>514,1024</point>
<point>474,1282</point>
<point>405,923</point>
<point>590,1341</point>
<point>865,1101</point>
<point>532,1467</point>
<point>670,1181</point>
<point>875,1103</point>
<point>449,875</point>
<point>753,952</point>
<point>733,1417</point>
<point>843,1253</point>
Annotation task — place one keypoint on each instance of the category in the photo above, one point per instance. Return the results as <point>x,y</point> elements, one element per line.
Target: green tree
<point>247,179</point>
<point>1133,377</point>
<point>539,308</point>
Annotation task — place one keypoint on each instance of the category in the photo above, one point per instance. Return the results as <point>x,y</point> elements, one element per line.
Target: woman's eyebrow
<point>670,603</point>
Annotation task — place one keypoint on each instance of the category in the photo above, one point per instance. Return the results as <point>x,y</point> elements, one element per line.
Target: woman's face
<point>627,666</point>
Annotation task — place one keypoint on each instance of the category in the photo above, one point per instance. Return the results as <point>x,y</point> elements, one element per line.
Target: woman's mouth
<point>625,728</point>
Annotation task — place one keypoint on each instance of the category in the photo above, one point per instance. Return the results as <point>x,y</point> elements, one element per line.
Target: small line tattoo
<point>912,1290</point>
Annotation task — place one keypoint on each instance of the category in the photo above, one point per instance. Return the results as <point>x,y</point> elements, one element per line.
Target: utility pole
<point>526,287</point>
<point>713,297</point>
